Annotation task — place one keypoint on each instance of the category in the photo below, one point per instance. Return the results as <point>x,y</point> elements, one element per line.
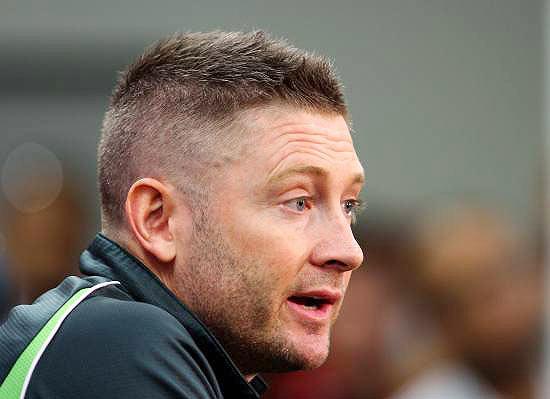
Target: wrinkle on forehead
<point>309,170</point>
<point>278,160</point>
<point>277,134</point>
<point>313,132</point>
<point>284,118</point>
<point>298,134</point>
<point>285,146</point>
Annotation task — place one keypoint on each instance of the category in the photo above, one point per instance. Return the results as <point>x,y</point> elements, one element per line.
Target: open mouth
<point>314,305</point>
<point>310,302</point>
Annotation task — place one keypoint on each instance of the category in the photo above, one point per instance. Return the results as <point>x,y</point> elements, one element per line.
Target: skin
<point>276,223</point>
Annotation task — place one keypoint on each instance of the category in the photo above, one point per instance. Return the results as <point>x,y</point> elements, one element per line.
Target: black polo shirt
<point>130,337</point>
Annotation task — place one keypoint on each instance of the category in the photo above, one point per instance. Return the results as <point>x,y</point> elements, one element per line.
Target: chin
<point>307,353</point>
<point>314,359</point>
<point>312,363</point>
<point>293,350</point>
<point>285,355</point>
<point>293,361</point>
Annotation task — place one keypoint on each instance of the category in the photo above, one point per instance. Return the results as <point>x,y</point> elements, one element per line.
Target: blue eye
<point>349,206</point>
<point>352,208</point>
<point>300,204</point>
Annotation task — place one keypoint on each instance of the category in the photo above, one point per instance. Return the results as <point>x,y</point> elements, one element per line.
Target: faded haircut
<point>171,111</point>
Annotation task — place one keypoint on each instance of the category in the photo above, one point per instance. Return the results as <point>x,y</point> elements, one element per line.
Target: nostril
<point>338,264</point>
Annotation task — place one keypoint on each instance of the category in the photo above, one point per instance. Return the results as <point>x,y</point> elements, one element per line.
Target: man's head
<point>227,166</point>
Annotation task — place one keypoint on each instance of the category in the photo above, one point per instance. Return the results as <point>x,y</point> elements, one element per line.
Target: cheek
<point>278,250</point>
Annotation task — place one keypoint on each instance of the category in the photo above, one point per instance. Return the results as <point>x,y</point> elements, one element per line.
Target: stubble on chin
<point>223,289</point>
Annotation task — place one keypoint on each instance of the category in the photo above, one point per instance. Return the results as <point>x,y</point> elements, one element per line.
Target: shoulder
<point>123,323</point>
<point>110,319</point>
<point>121,348</point>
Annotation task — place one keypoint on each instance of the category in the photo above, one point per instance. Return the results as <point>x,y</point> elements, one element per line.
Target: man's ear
<point>149,207</point>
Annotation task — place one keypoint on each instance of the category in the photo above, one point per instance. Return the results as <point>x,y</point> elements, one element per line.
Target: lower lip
<point>318,314</point>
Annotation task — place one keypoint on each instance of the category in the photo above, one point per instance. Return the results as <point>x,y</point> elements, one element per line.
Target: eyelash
<point>307,203</point>
<point>357,206</point>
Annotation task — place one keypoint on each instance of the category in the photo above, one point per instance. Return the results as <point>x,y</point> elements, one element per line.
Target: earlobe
<point>149,207</point>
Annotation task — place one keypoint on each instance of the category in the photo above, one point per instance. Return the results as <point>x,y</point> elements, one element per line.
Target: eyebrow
<point>310,171</point>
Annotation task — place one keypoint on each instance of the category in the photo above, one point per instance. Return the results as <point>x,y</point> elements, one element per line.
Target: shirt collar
<point>106,258</point>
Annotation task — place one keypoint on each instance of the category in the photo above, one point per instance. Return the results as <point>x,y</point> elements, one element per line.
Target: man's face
<point>273,250</point>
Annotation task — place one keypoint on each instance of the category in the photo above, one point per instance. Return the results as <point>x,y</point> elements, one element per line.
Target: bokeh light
<point>32,177</point>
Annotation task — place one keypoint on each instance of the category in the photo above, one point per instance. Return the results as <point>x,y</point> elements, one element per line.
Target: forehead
<point>287,119</point>
<point>283,137</point>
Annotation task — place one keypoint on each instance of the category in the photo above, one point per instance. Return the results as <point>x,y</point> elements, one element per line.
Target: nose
<point>336,247</point>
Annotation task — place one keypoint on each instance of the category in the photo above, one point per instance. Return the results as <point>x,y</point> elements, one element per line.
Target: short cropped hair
<point>171,110</point>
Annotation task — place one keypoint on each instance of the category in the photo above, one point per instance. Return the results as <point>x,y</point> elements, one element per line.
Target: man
<point>228,183</point>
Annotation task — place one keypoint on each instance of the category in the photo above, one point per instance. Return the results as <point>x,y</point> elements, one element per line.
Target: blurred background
<point>447,105</point>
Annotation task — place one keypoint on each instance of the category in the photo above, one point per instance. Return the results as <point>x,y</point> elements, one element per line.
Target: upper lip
<point>328,295</point>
